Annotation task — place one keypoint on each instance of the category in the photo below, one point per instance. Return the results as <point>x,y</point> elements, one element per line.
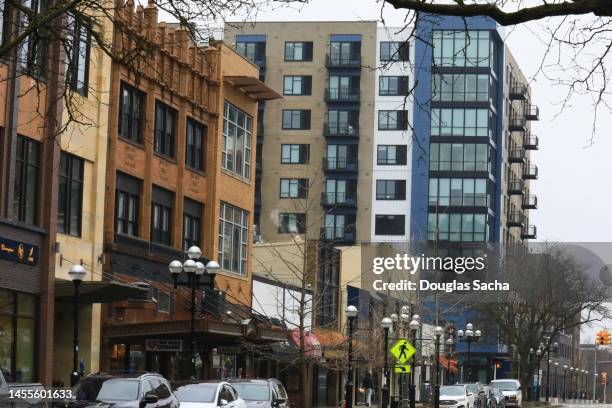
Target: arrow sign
<point>402,369</point>
<point>402,351</point>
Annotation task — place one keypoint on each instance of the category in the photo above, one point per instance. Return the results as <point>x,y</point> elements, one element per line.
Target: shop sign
<point>163,345</point>
<point>16,251</point>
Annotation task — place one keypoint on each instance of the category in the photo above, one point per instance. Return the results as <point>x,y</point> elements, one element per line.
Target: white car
<point>208,395</point>
<point>455,396</point>
<point>512,391</point>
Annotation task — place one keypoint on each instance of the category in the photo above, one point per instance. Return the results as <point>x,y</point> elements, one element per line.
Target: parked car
<point>209,394</point>
<point>456,396</point>
<point>512,391</point>
<point>10,391</point>
<point>123,391</point>
<point>268,393</point>
<point>480,396</point>
<point>495,397</point>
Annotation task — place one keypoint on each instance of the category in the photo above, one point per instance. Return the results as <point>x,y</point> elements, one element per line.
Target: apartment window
<point>291,223</point>
<point>393,86</point>
<point>463,87</point>
<point>131,113</point>
<point>237,139</point>
<point>336,191</point>
<point>233,239</point>
<point>345,53</point>
<point>339,226</point>
<point>25,189</point>
<point>463,48</point>
<point>194,144</point>
<point>161,216</point>
<point>79,36</point>
<point>293,188</point>
<point>457,227</point>
<point>342,122</point>
<point>254,51</point>
<point>390,189</point>
<point>33,52</point>
<point>297,119</point>
<point>127,202</point>
<point>192,224</point>
<point>461,157</point>
<point>297,85</point>
<point>165,129</point>
<point>390,225</point>
<point>392,120</point>
<point>344,87</point>
<point>69,211</point>
<point>394,51</point>
<point>298,51</point>
<point>392,155</point>
<point>458,192</point>
<point>295,153</point>
<point>462,122</point>
<point>341,156</point>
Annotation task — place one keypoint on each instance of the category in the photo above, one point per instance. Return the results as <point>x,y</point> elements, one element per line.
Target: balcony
<point>343,61</point>
<point>532,112</point>
<point>530,142</point>
<point>516,187</point>
<point>518,123</point>
<point>340,164</point>
<point>516,155</point>
<point>529,232</point>
<point>518,91</point>
<point>530,202</point>
<point>338,234</point>
<point>530,172</point>
<point>341,130</point>
<point>516,219</point>
<point>340,200</point>
<point>341,95</point>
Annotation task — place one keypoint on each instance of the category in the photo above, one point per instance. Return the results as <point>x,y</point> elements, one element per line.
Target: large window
<point>393,86</point>
<point>295,153</point>
<point>462,122</point>
<point>293,188</point>
<point>194,144</point>
<point>345,53</point>
<point>390,224</point>
<point>292,223</point>
<point>344,87</point>
<point>192,224</point>
<point>233,239</point>
<point>25,189</point>
<point>390,189</point>
<point>341,156</point>
<point>462,87</point>
<point>165,129</point>
<point>18,341</point>
<point>342,122</point>
<point>392,120</point>
<point>390,155</point>
<point>458,192</point>
<point>34,47</point>
<point>298,51</point>
<point>463,48</point>
<point>457,227</point>
<point>340,191</point>
<point>254,51</point>
<point>131,113</point>
<point>339,226</point>
<point>461,157</point>
<point>161,216</point>
<point>78,57</point>
<point>296,119</point>
<point>237,139</point>
<point>297,85</point>
<point>127,202</point>
<point>394,51</point>
<point>69,211</point>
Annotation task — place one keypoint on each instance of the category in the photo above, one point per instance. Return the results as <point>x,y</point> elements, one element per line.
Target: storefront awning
<point>253,87</point>
<point>98,291</point>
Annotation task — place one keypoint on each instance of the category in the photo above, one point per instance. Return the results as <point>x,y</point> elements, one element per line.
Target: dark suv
<point>123,391</point>
<point>268,393</point>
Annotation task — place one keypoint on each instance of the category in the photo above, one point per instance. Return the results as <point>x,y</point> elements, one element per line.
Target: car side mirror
<point>519,388</point>
<point>469,394</point>
<point>278,402</point>
<point>223,403</point>
<point>150,398</point>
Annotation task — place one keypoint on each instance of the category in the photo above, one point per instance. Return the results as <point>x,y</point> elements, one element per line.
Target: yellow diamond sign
<point>402,369</point>
<point>402,351</point>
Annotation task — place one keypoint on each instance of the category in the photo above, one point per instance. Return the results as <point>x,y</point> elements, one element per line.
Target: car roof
<point>133,376</point>
<point>250,380</point>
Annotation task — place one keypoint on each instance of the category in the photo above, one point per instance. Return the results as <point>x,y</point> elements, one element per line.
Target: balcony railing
<point>516,219</point>
<point>530,142</point>
<point>339,234</point>
<point>342,61</point>
<point>529,232</point>
<point>340,164</point>
<point>516,155</point>
<point>341,95</point>
<point>532,112</point>
<point>516,187</point>
<point>530,202</point>
<point>341,129</point>
<point>518,123</point>
<point>338,199</point>
<point>530,172</point>
<point>518,91</point>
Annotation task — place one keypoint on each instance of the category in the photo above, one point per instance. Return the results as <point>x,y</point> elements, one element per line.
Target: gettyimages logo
<point>412,264</point>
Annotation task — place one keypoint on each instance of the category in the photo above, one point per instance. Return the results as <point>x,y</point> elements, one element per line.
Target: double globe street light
<point>469,335</point>
<point>351,314</point>
<point>77,274</point>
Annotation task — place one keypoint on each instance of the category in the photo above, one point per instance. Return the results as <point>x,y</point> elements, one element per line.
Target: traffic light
<point>599,338</point>
<point>605,338</point>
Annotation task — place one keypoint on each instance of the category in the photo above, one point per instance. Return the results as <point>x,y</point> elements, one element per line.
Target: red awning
<point>449,364</point>
<point>312,346</point>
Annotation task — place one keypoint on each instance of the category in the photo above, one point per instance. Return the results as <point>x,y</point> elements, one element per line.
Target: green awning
<point>98,291</point>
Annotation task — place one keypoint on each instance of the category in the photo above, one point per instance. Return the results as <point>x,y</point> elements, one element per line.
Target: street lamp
<point>556,389</point>
<point>549,349</point>
<point>77,274</point>
<point>595,387</point>
<point>386,324</point>
<point>450,342</point>
<point>571,382</point>
<point>194,270</point>
<point>469,336</point>
<point>351,314</point>
<point>404,319</point>
<point>438,333</point>
<point>564,382</point>
<point>414,327</point>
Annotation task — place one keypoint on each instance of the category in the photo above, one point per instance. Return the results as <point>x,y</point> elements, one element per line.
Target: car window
<point>145,387</point>
<point>160,388</point>
<point>107,389</point>
<point>196,393</point>
<point>230,393</point>
<point>225,394</point>
<point>233,391</point>
<point>281,391</point>
<point>252,391</point>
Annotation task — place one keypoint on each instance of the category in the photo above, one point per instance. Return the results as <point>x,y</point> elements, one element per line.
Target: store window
<point>18,326</point>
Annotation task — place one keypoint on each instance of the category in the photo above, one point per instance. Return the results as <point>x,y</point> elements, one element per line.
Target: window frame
<point>394,184</point>
<point>305,82</point>
<point>307,47</point>
<point>402,85</point>
<point>303,118</point>
<point>401,121</point>
<point>229,150</point>
<point>130,188</point>
<point>192,151</point>
<point>392,222</point>
<point>27,164</point>
<point>401,151</point>
<point>132,93</point>
<point>162,205</point>
<point>164,142</point>
<point>284,220</point>
<point>192,215</point>
<point>80,22</point>
<point>242,228</point>
<point>65,227</point>
<point>400,54</point>
<point>303,153</point>
<point>301,187</point>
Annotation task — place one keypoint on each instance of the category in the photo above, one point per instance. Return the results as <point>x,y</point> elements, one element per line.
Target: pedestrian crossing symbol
<point>402,369</point>
<point>402,351</point>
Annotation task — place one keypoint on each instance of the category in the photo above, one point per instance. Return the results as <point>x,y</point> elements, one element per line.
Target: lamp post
<point>438,333</point>
<point>469,336</point>
<point>556,388</point>
<point>414,327</point>
<point>77,274</point>
<point>539,384</point>
<point>450,342</point>
<point>564,382</point>
<point>571,379</point>
<point>351,314</point>
<point>194,270</point>
<point>595,387</point>
<point>404,320</point>
<point>386,324</point>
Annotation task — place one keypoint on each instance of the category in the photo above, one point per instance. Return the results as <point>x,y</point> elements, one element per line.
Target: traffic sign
<point>402,369</point>
<point>402,351</point>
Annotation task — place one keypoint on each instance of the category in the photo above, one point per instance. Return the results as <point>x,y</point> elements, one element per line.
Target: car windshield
<point>197,393</point>
<point>473,388</point>
<point>506,385</point>
<point>252,392</point>
<point>494,391</point>
<point>107,389</point>
<point>454,390</point>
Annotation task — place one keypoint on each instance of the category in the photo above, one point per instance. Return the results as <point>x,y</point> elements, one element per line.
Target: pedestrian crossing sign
<point>402,351</point>
<point>402,369</point>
